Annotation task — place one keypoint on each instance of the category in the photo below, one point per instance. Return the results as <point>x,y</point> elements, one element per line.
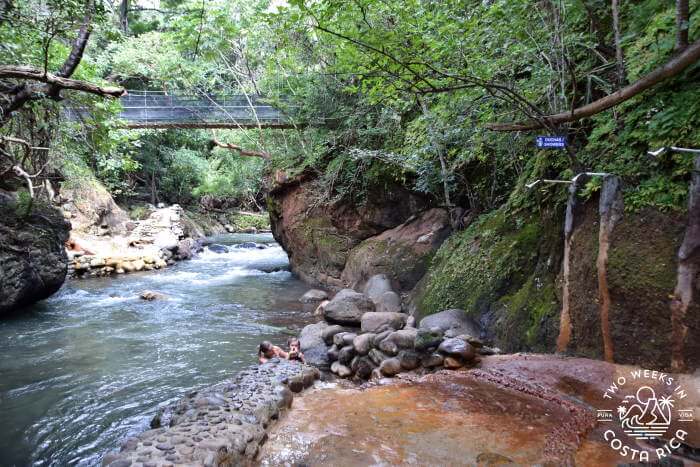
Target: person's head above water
<point>293,344</point>
<point>265,348</point>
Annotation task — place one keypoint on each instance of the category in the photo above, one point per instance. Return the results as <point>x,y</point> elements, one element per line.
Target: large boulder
<point>33,261</point>
<point>347,307</point>
<point>453,322</point>
<point>402,253</point>
<point>319,236</point>
<point>376,286</point>
<point>377,322</point>
<point>388,301</point>
<point>313,346</point>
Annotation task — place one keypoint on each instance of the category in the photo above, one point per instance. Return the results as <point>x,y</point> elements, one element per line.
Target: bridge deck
<point>150,109</point>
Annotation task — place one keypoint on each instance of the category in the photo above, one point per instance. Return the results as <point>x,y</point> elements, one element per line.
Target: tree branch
<point>241,151</point>
<point>35,74</point>
<point>670,69</point>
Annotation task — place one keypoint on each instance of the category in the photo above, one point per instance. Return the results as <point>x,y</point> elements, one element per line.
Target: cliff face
<point>33,261</point>
<point>507,272</point>
<point>342,245</point>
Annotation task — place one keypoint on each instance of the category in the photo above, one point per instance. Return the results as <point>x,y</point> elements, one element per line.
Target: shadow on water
<point>90,365</point>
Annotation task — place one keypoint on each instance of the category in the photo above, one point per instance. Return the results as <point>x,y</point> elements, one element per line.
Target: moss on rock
<point>500,271</point>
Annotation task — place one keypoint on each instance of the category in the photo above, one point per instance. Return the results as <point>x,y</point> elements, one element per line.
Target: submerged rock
<point>216,248</point>
<point>150,295</point>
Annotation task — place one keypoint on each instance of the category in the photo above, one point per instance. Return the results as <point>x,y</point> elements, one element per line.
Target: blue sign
<point>551,141</point>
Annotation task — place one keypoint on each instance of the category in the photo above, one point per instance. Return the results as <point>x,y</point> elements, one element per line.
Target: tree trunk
<point>124,16</point>
<point>619,58</point>
<point>682,24</point>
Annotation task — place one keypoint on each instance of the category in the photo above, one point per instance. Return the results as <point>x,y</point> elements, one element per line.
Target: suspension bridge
<point>157,109</point>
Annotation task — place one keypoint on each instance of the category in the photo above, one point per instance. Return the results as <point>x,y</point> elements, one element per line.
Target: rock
<point>474,341</point>
<point>404,338</point>
<point>380,337</point>
<point>216,248</point>
<point>250,230</point>
<point>456,321</point>
<point>333,352</point>
<point>432,360</point>
<point>313,296</point>
<point>347,307</point>
<point>376,286</point>
<point>150,295</point>
<point>452,363</point>
<point>318,312</point>
<point>388,347</point>
<point>457,348</point>
<point>389,302</point>
<point>33,260</point>
<point>331,331</point>
<point>488,350</point>
<point>376,375</point>
<point>427,338</point>
<point>338,339</point>
<point>165,240</point>
<point>411,322</point>
<point>319,237</point>
<point>296,383</point>
<point>249,245</point>
<point>377,356</point>
<point>313,346</point>
<point>364,367</point>
<point>229,228</point>
<point>340,370</point>
<point>184,248</point>
<point>348,338</point>
<point>138,265</point>
<point>97,262</point>
<point>381,321</point>
<point>390,367</point>
<point>346,354</point>
<point>363,343</point>
<point>409,360</point>
<point>397,252</point>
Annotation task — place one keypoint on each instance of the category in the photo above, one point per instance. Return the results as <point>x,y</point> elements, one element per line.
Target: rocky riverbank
<point>367,335</point>
<point>224,424</point>
<point>164,237</point>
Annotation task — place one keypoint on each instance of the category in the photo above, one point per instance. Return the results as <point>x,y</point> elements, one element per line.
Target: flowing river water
<point>90,365</point>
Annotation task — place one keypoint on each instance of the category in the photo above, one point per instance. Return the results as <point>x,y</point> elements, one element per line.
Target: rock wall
<point>394,232</point>
<point>506,271</point>
<point>33,261</point>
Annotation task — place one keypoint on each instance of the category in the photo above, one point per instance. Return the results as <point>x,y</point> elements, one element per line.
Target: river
<point>89,366</point>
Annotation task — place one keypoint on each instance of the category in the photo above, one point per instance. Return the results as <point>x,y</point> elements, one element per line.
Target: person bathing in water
<point>266,351</point>
<point>295,350</point>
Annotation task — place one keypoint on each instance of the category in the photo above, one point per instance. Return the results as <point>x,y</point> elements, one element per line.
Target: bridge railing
<point>144,107</point>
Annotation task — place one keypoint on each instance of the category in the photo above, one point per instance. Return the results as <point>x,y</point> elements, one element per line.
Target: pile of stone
<point>368,335</point>
<point>153,243</point>
<point>221,425</point>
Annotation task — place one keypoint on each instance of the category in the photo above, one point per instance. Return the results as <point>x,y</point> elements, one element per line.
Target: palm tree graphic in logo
<point>644,416</point>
